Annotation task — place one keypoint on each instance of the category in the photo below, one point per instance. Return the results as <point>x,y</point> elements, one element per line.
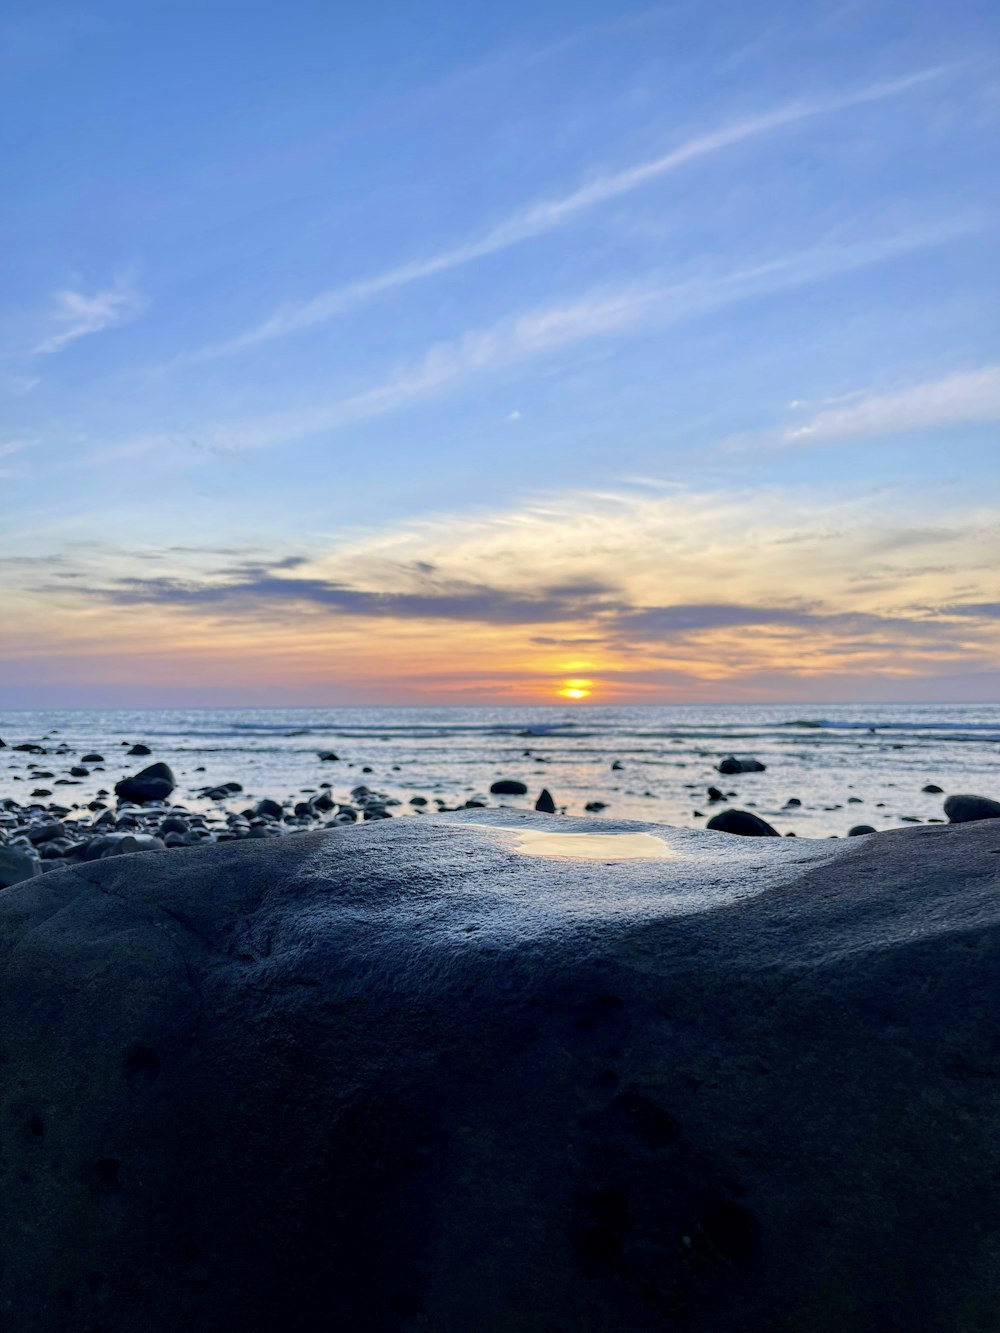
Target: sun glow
<point>575,689</point>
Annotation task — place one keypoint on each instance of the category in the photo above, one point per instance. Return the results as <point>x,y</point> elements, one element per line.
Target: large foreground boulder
<point>452,1075</point>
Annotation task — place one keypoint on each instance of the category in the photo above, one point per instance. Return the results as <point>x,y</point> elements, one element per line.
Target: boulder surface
<point>481,1072</point>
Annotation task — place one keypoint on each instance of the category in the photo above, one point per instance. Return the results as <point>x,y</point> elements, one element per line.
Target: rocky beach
<point>74,790</point>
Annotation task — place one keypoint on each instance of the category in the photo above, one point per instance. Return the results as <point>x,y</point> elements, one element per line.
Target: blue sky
<point>441,307</point>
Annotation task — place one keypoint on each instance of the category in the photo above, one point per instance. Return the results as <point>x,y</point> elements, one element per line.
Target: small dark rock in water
<point>965,809</point>
<point>15,866</point>
<point>792,801</point>
<point>743,823</point>
<point>508,787</point>
<point>140,749</point>
<point>78,772</point>
<point>545,804</point>
<point>328,756</point>
<point>854,800</point>
<point>733,765</point>
<point>29,747</point>
<point>41,791</point>
<point>715,795</point>
<point>418,800</point>
<point>617,765</point>
<point>859,830</point>
<point>268,809</point>
<point>92,759</point>
<point>933,789</point>
<point>595,807</point>
<point>154,783</point>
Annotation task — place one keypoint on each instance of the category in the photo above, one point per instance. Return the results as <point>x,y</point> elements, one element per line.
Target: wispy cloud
<point>546,215</point>
<point>76,314</point>
<point>534,333</point>
<point>965,397</point>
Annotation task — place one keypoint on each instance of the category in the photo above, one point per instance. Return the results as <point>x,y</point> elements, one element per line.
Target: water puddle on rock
<point>586,846</point>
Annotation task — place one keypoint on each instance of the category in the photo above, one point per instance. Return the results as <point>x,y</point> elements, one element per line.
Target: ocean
<point>881,756</point>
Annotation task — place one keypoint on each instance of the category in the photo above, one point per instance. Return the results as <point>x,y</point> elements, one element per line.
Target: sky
<point>443,353</point>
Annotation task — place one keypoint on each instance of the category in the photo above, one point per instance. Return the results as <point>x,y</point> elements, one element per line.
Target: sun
<point>575,689</point>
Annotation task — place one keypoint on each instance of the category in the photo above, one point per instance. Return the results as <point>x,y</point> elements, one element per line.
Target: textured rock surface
<point>410,1077</point>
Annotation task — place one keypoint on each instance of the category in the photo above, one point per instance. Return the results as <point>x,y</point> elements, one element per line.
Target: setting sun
<point>575,689</point>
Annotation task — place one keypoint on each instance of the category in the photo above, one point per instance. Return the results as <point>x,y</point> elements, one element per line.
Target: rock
<point>16,866</point>
<point>173,824</point>
<point>617,766</point>
<point>859,830</point>
<point>268,809</point>
<point>328,756</point>
<point>243,1081</point>
<point>792,803</point>
<point>715,795</point>
<point>964,809</point>
<point>92,759</point>
<point>39,833</point>
<point>41,792</point>
<point>418,800</point>
<point>29,747</point>
<point>78,771</point>
<point>733,765</point>
<point>933,789</point>
<point>509,787</point>
<point>545,804</point>
<point>154,783</point>
<point>140,749</point>
<point>595,807</point>
<point>743,823</point>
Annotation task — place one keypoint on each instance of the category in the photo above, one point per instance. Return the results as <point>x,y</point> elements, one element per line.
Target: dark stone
<point>595,807</point>
<point>792,802</point>
<point>964,809</point>
<point>743,823</point>
<point>617,765</point>
<point>401,1078</point>
<point>140,749</point>
<point>715,795</point>
<point>733,765</point>
<point>545,804</point>
<point>16,866</point>
<point>328,756</point>
<point>859,830</point>
<point>154,783</point>
<point>92,759</point>
<point>933,789</point>
<point>508,787</point>
<point>29,747</point>
<point>39,833</point>
<point>268,809</point>
<point>77,771</point>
